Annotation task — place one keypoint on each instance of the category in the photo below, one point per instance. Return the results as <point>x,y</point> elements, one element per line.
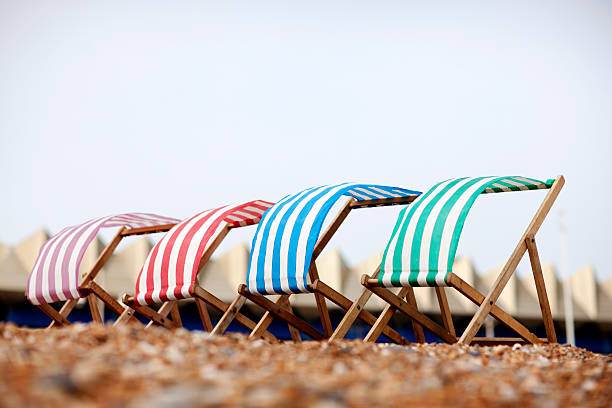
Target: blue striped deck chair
<point>422,249</point>
<point>286,244</point>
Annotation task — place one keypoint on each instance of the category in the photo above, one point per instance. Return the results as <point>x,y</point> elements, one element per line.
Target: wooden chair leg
<point>229,315</point>
<point>536,267</point>
<point>54,315</point>
<point>353,312</point>
<point>163,311</point>
<point>365,316</point>
<point>267,318</point>
<point>204,316</point>
<point>419,336</point>
<point>67,307</point>
<point>200,293</point>
<point>176,316</point>
<point>321,305</point>
<point>510,265</point>
<point>445,312</point>
<point>383,320</point>
<point>282,314</point>
<point>93,307</point>
<point>125,317</point>
<point>410,311</point>
<point>478,298</point>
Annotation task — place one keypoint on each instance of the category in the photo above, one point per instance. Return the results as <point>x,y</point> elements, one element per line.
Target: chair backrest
<point>172,265</point>
<point>422,248</point>
<point>283,245</point>
<point>55,276</point>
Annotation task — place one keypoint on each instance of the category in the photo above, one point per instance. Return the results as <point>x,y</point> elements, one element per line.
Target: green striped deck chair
<point>421,253</point>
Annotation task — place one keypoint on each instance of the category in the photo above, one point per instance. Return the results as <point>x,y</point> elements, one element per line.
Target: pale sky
<point>175,107</point>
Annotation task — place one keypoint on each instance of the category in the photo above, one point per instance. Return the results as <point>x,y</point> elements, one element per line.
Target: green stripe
<point>510,186</point>
<point>415,253</point>
<point>398,223</point>
<point>461,220</point>
<point>436,237</point>
<point>397,254</point>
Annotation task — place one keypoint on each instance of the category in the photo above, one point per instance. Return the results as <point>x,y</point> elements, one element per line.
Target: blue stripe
<point>311,196</point>
<point>261,285</point>
<point>295,235</point>
<point>276,282</point>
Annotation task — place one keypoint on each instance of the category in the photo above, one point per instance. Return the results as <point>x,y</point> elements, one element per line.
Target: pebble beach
<point>97,366</point>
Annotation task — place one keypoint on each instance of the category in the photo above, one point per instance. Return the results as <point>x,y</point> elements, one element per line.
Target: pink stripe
<point>38,275</point>
<point>68,254</point>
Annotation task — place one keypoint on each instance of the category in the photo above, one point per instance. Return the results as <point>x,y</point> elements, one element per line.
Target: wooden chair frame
<point>486,303</point>
<point>281,308</point>
<point>202,297</point>
<point>88,286</point>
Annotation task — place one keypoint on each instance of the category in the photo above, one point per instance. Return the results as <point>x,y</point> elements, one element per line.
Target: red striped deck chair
<point>55,276</point>
<point>421,253</point>
<point>171,268</point>
<point>286,244</point>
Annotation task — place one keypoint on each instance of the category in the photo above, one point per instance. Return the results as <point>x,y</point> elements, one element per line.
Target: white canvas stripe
<point>245,215</point>
<point>195,242</point>
<point>254,258</point>
<point>426,237</point>
<point>358,195</point>
<point>305,232</point>
<point>451,222</point>
<point>174,252</point>
<point>407,247</point>
<point>370,193</point>
<point>514,183</point>
<point>284,247</point>
<point>255,209</point>
<point>388,267</point>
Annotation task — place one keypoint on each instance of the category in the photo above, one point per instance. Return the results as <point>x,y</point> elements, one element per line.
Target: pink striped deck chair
<point>55,276</point>
<point>171,268</point>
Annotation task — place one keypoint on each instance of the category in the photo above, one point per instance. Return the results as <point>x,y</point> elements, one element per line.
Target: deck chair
<point>171,268</point>
<point>55,276</point>
<point>287,243</point>
<point>421,253</point>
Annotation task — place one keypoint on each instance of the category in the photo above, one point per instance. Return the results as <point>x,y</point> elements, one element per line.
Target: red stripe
<point>149,275</point>
<point>203,243</point>
<point>166,258</point>
<point>180,264</point>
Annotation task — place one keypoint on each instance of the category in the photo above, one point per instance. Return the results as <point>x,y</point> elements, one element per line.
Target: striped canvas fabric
<point>284,242</point>
<point>172,265</point>
<point>424,241</point>
<point>55,275</point>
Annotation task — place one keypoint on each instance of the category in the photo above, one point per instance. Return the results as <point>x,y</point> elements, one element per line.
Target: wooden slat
<point>229,315</point>
<point>501,341</point>
<point>538,277</point>
<point>93,308</point>
<point>147,230</point>
<point>281,313</point>
<point>445,310</point>
<point>383,320</point>
<point>212,300</point>
<point>204,316</point>
<point>346,304</point>
<point>65,310</point>
<point>321,305</point>
<point>102,258</point>
<point>163,311</point>
<point>54,315</point>
<point>384,202</point>
<point>176,316</point>
<point>149,313</point>
<point>105,297</point>
<point>125,317</point>
<point>510,265</point>
<point>266,319</point>
<point>410,311</point>
<point>416,327</point>
<point>353,311</point>
<point>468,291</point>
